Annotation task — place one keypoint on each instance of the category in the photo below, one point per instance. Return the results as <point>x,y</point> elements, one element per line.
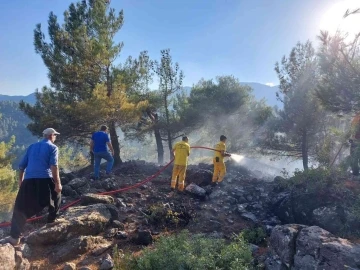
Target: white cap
<point>50,131</point>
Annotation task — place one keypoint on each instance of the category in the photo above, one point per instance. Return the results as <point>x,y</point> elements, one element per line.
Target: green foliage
<point>71,159</point>
<point>7,178</point>
<point>339,59</point>
<point>210,99</point>
<point>255,236</point>
<point>195,252</point>
<point>315,180</point>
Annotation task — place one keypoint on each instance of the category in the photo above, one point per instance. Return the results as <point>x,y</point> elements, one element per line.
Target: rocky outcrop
<point>301,247</point>
<point>7,257</point>
<point>78,246</point>
<point>77,221</point>
<point>323,208</point>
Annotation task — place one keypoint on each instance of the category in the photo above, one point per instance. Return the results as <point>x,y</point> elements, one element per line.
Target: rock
<point>25,250</point>
<point>100,249</point>
<point>249,216</point>
<point>199,177</point>
<point>274,263</point>
<point>75,247</point>
<point>196,191</point>
<point>107,263</point>
<point>318,249</point>
<point>35,266</point>
<point>121,235</point>
<point>108,184</point>
<point>81,220</point>
<point>283,241</point>
<point>66,177</point>
<point>69,266</point>
<point>217,194</point>
<point>84,268</point>
<point>21,263</point>
<point>114,212</point>
<point>144,237</point>
<point>300,247</point>
<point>90,198</point>
<point>329,218</point>
<point>68,191</point>
<point>78,183</point>
<point>110,233</point>
<point>117,224</point>
<point>253,248</point>
<point>7,257</point>
<point>241,208</point>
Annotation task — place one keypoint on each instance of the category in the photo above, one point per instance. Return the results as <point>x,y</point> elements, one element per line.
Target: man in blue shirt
<point>39,183</point>
<point>98,145</point>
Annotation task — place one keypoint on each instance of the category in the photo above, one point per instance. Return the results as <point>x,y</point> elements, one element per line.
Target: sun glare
<point>333,20</point>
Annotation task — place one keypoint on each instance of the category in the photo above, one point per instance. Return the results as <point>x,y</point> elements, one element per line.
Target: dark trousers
<point>34,195</point>
<point>355,156</point>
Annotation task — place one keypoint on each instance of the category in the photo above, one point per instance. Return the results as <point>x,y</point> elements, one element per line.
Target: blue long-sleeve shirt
<point>38,160</point>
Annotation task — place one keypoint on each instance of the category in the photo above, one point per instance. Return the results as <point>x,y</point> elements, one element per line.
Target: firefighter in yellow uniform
<point>219,165</point>
<point>181,151</point>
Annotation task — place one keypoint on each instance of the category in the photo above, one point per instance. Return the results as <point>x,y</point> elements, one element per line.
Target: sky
<point>208,38</point>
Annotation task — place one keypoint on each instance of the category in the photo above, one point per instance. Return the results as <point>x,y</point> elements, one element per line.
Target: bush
<point>184,251</point>
<point>255,236</point>
<point>164,215</point>
<point>314,180</point>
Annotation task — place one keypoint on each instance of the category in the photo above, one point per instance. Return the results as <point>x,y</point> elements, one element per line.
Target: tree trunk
<point>159,145</point>
<point>115,143</point>
<point>168,127</point>
<point>304,150</point>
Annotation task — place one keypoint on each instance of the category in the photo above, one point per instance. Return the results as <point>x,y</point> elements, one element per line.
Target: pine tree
<point>294,130</point>
<point>7,177</point>
<point>80,58</point>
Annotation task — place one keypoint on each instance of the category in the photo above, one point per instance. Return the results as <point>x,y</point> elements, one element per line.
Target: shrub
<point>314,179</point>
<point>196,252</point>
<point>255,236</point>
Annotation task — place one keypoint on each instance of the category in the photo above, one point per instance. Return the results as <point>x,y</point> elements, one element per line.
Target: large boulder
<point>319,249</point>
<point>283,242</point>
<point>7,257</point>
<point>90,198</point>
<point>305,248</point>
<point>77,221</point>
<point>77,246</point>
<point>199,177</point>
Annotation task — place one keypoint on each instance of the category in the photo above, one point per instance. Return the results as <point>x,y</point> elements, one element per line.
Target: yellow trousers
<point>178,171</point>
<point>219,171</point>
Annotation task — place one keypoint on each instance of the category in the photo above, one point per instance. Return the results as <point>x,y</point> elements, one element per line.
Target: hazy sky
<point>243,38</point>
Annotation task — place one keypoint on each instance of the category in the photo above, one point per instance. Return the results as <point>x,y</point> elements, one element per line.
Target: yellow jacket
<point>220,146</point>
<point>182,151</point>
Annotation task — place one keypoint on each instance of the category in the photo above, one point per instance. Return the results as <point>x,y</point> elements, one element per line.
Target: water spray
<point>237,158</point>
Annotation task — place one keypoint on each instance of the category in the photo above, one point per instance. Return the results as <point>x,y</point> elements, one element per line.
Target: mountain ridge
<point>260,91</point>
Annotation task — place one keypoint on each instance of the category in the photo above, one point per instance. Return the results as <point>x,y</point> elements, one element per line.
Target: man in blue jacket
<point>39,183</point>
<point>99,146</point>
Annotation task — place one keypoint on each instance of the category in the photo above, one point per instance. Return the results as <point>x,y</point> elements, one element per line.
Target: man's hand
<point>58,188</point>
<point>20,182</point>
